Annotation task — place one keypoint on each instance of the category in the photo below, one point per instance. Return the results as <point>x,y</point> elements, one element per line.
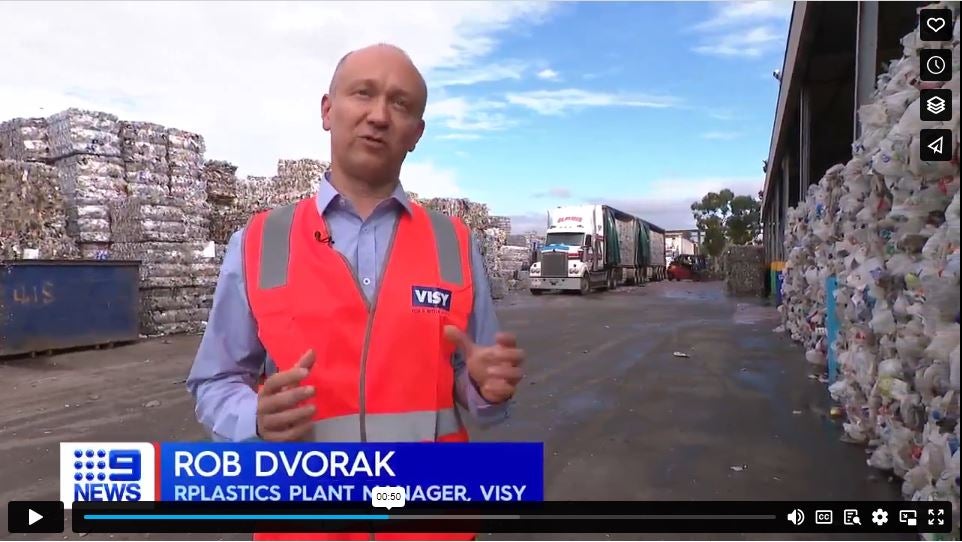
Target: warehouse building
<point>835,52</point>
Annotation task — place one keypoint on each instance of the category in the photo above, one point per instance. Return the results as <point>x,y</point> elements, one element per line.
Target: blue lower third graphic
<point>312,472</point>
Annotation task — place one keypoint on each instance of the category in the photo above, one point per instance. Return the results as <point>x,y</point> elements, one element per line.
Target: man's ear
<point>326,112</point>
<point>419,134</point>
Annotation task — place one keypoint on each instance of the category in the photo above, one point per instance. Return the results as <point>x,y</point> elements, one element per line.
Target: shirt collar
<point>327,194</point>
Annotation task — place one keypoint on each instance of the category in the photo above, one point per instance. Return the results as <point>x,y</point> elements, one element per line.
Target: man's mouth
<point>373,140</point>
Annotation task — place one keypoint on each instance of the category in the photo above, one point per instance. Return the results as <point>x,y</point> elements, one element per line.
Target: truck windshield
<point>570,239</point>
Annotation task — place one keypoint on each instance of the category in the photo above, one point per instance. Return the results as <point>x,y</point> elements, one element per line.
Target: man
<point>369,315</point>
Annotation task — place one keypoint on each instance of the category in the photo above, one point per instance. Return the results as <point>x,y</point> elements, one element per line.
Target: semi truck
<point>589,247</point>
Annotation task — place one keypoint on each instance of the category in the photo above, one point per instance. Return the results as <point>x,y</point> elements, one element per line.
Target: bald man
<point>356,315</point>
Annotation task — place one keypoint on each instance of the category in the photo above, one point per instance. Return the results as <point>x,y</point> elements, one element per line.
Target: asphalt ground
<point>621,417</point>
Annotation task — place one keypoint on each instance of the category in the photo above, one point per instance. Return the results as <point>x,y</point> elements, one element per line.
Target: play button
<point>35,517</point>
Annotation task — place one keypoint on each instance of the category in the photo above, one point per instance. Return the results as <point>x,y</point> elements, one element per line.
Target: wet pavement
<point>621,417</point>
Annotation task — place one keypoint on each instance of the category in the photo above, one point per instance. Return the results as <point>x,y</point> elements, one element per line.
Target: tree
<point>727,218</point>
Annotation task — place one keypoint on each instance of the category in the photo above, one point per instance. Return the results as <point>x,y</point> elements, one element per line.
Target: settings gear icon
<point>880,517</point>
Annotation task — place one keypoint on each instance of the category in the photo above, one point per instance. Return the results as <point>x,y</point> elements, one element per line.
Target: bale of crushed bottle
<point>33,223</point>
<point>134,221</point>
<point>745,270</point>
<point>24,140</point>
<point>220,180</point>
<point>77,131</point>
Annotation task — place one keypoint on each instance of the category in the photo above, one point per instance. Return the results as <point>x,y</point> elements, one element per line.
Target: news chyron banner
<point>299,472</point>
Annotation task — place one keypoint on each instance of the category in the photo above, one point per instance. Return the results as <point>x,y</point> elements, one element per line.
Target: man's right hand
<point>279,418</point>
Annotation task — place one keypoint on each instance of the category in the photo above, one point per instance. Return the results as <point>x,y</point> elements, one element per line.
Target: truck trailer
<point>591,247</point>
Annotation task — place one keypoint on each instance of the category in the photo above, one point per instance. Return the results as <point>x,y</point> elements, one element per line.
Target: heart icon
<point>935,23</point>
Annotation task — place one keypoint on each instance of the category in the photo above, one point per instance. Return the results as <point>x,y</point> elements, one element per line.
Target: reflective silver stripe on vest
<point>276,247</point>
<point>449,250</point>
<point>424,425</point>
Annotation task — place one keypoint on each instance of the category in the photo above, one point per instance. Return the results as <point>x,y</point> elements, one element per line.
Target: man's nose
<point>379,113</point>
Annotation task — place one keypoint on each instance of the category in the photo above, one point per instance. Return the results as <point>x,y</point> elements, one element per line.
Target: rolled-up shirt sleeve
<point>230,357</point>
<point>482,328</point>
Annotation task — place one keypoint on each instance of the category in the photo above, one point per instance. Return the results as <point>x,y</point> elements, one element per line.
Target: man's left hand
<point>495,369</point>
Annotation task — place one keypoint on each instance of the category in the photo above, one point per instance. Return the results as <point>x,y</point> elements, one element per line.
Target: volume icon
<point>796,516</point>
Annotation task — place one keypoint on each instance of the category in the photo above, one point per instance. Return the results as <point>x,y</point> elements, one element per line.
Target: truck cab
<point>572,257</point>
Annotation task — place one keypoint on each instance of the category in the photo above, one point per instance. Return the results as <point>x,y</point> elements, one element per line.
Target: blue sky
<point>637,104</point>
<point>643,105</point>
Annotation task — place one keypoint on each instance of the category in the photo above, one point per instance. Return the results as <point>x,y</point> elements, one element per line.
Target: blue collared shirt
<point>231,357</point>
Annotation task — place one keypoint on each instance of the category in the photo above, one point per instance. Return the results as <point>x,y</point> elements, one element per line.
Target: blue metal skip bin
<point>54,304</point>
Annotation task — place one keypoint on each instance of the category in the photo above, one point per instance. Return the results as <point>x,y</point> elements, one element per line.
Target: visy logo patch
<point>426,297</point>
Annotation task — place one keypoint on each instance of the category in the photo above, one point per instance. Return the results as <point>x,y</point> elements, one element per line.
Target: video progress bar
<point>386,517</point>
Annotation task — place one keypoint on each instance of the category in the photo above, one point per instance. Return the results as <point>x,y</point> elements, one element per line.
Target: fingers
<point>512,356</point>
<point>282,421</point>
<point>507,340</point>
<point>292,377</point>
<point>510,374</point>
<point>306,361</point>
<point>278,381</point>
<point>289,433</point>
<point>285,400</point>
<point>497,391</point>
<point>459,339</point>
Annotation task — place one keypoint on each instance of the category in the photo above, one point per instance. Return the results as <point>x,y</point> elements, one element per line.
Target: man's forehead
<point>367,64</point>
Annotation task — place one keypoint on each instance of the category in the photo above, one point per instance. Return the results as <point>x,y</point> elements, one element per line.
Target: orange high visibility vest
<point>383,371</point>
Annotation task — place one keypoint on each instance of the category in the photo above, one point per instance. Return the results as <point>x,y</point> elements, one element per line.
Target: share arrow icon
<point>935,145</point>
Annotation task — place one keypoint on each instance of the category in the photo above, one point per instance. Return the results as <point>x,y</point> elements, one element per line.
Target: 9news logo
<point>106,471</point>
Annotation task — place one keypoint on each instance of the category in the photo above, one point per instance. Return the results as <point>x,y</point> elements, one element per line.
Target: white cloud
<point>529,222</point>
<point>720,136</point>
<point>429,181</point>
<point>733,13</point>
<point>548,74</point>
<point>481,74</point>
<point>721,114</point>
<point>248,76</point>
<point>744,29</point>
<point>559,192</point>
<point>468,115</point>
<point>746,43</point>
<point>667,202</point>
<point>459,137</point>
<point>554,102</point>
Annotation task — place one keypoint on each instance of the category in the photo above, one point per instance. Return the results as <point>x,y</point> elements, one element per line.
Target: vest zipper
<point>371,307</point>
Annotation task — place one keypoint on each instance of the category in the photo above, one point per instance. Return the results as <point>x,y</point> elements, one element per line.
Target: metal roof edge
<point>795,48</point>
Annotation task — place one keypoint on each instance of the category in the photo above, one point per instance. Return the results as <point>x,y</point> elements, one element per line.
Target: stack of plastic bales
<point>77,131</point>
<point>514,263</point>
<point>745,270</point>
<point>144,150</point>
<point>297,179</point>
<point>33,221</point>
<point>221,180</point>
<point>500,222</point>
<point>86,147</point>
<point>886,225</point>
<point>25,140</point>
<point>185,156</point>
